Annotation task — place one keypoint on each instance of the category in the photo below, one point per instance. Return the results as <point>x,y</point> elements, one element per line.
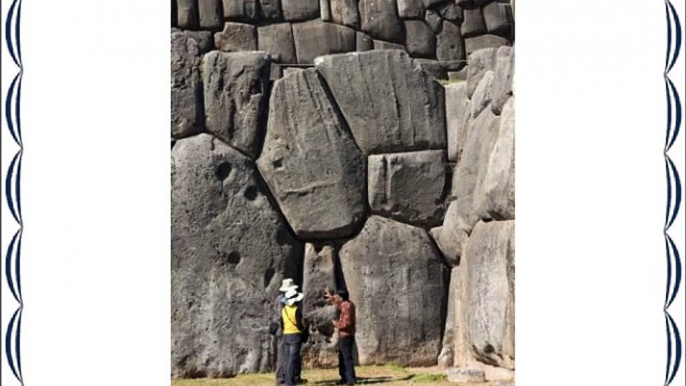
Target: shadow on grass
<point>367,380</point>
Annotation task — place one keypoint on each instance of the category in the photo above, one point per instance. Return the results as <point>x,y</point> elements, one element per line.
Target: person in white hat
<point>281,356</point>
<point>292,327</point>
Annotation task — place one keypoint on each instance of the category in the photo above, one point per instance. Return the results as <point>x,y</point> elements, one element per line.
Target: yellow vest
<point>288,316</point>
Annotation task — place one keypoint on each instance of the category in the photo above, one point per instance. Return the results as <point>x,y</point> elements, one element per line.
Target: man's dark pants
<point>293,345</point>
<point>281,359</point>
<point>346,366</point>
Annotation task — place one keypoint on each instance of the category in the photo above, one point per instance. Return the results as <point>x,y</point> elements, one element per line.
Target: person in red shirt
<point>345,324</point>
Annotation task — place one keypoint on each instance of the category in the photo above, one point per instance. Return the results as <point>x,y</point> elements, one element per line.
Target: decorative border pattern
<point>674,192</point>
<point>13,190</point>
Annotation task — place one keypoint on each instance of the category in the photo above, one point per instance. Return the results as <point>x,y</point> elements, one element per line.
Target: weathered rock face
<point>187,14</point>
<point>230,251</point>
<point>277,39</point>
<point>501,89</point>
<point>396,280</point>
<point>485,41</point>
<point>447,356</point>
<point>410,9</point>
<point>433,67</point>
<point>482,95</point>
<point>311,162</point>
<point>345,12</point>
<point>186,88</point>
<point>319,272</point>
<point>236,88</point>
<point>458,113</point>
<point>405,104</point>
<point>315,38</point>
<point>211,14</point>
<point>236,37</point>
<point>393,186</point>
<point>204,39</point>
<point>480,62</point>
<point>474,23</point>
<point>487,320</point>
<point>379,18</point>
<point>295,10</point>
<point>498,18</point>
<point>270,9</point>
<point>449,43</point>
<point>419,39</point>
<point>244,10</point>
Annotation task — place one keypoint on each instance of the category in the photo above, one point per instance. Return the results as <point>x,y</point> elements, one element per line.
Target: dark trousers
<point>282,361</point>
<point>346,365</point>
<point>293,345</point>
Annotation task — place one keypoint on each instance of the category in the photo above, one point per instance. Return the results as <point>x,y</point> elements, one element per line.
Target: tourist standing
<point>292,326</point>
<point>281,356</point>
<point>345,324</point>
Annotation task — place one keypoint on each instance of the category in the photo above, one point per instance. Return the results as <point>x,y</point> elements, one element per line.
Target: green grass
<point>387,375</point>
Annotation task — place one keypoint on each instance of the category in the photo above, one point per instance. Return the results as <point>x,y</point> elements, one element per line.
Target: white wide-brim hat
<point>293,296</point>
<point>287,284</point>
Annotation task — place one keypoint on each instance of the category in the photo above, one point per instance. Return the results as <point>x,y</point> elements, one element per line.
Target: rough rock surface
<point>277,39</point>
<point>488,303</point>
<point>204,39</point>
<point>236,89</point>
<point>242,10</point>
<point>433,67</point>
<point>419,39</point>
<point>270,9</point>
<point>457,112</point>
<point>501,89</point>
<point>449,43</point>
<point>433,19</point>
<point>447,357</point>
<point>311,162</point>
<point>480,62</point>
<point>345,12</point>
<point>410,9</point>
<point>496,191</point>
<point>462,213</point>
<point>406,104</point>
<point>473,24</point>
<point>498,18</point>
<point>482,95</point>
<point>187,14</point>
<point>236,37</point>
<point>382,45</point>
<point>230,251</point>
<point>379,18</point>
<point>211,14</point>
<point>484,41</point>
<point>316,38</point>
<point>364,42</point>
<point>186,88</point>
<point>296,10</point>
<point>393,186</point>
<point>388,257</point>
<point>450,11</point>
<point>319,272</point>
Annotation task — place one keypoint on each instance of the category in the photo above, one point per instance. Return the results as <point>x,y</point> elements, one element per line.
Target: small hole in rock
<point>233,258</point>
<point>250,193</point>
<point>223,170</point>
<point>268,275</point>
<point>278,163</point>
<point>489,349</point>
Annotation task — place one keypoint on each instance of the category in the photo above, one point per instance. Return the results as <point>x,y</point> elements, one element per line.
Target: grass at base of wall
<point>387,375</point>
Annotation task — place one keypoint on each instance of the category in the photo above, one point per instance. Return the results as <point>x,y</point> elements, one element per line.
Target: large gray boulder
<point>419,39</point>
<point>410,9</point>
<point>473,24</point>
<point>315,38</point>
<point>457,112</point>
<point>482,95</point>
<point>277,39</point>
<point>485,41</point>
<point>408,187</point>
<point>187,14</point>
<point>345,12</point>
<point>397,281</point>
<point>463,214</point>
<point>297,10</point>
<point>319,272</point>
<point>446,358</point>
<point>498,19</point>
<point>311,162</point>
<point>496,191</point>
<point>241,10</point>
<point>379,18</point>
<point>236,37</point>
<point>480,62</point>
<point>236,89</point>
<point>449,44</point>
<point>390,105</point>
<point>186,87</point>
<point>270,9</point>
<point>487,320</point>
<point>230,251</point>
<point>211,14</point>
<point>501,89</point>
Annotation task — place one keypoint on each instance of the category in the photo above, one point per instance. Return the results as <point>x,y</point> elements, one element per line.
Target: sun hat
<point>293,296</point>
<point>287,284</point>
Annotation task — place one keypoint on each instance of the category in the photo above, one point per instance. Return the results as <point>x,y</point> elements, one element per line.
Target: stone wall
<point>356,170</point>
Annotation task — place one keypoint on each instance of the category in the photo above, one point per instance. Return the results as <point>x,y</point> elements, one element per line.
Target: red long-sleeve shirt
<point>346,319</point>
